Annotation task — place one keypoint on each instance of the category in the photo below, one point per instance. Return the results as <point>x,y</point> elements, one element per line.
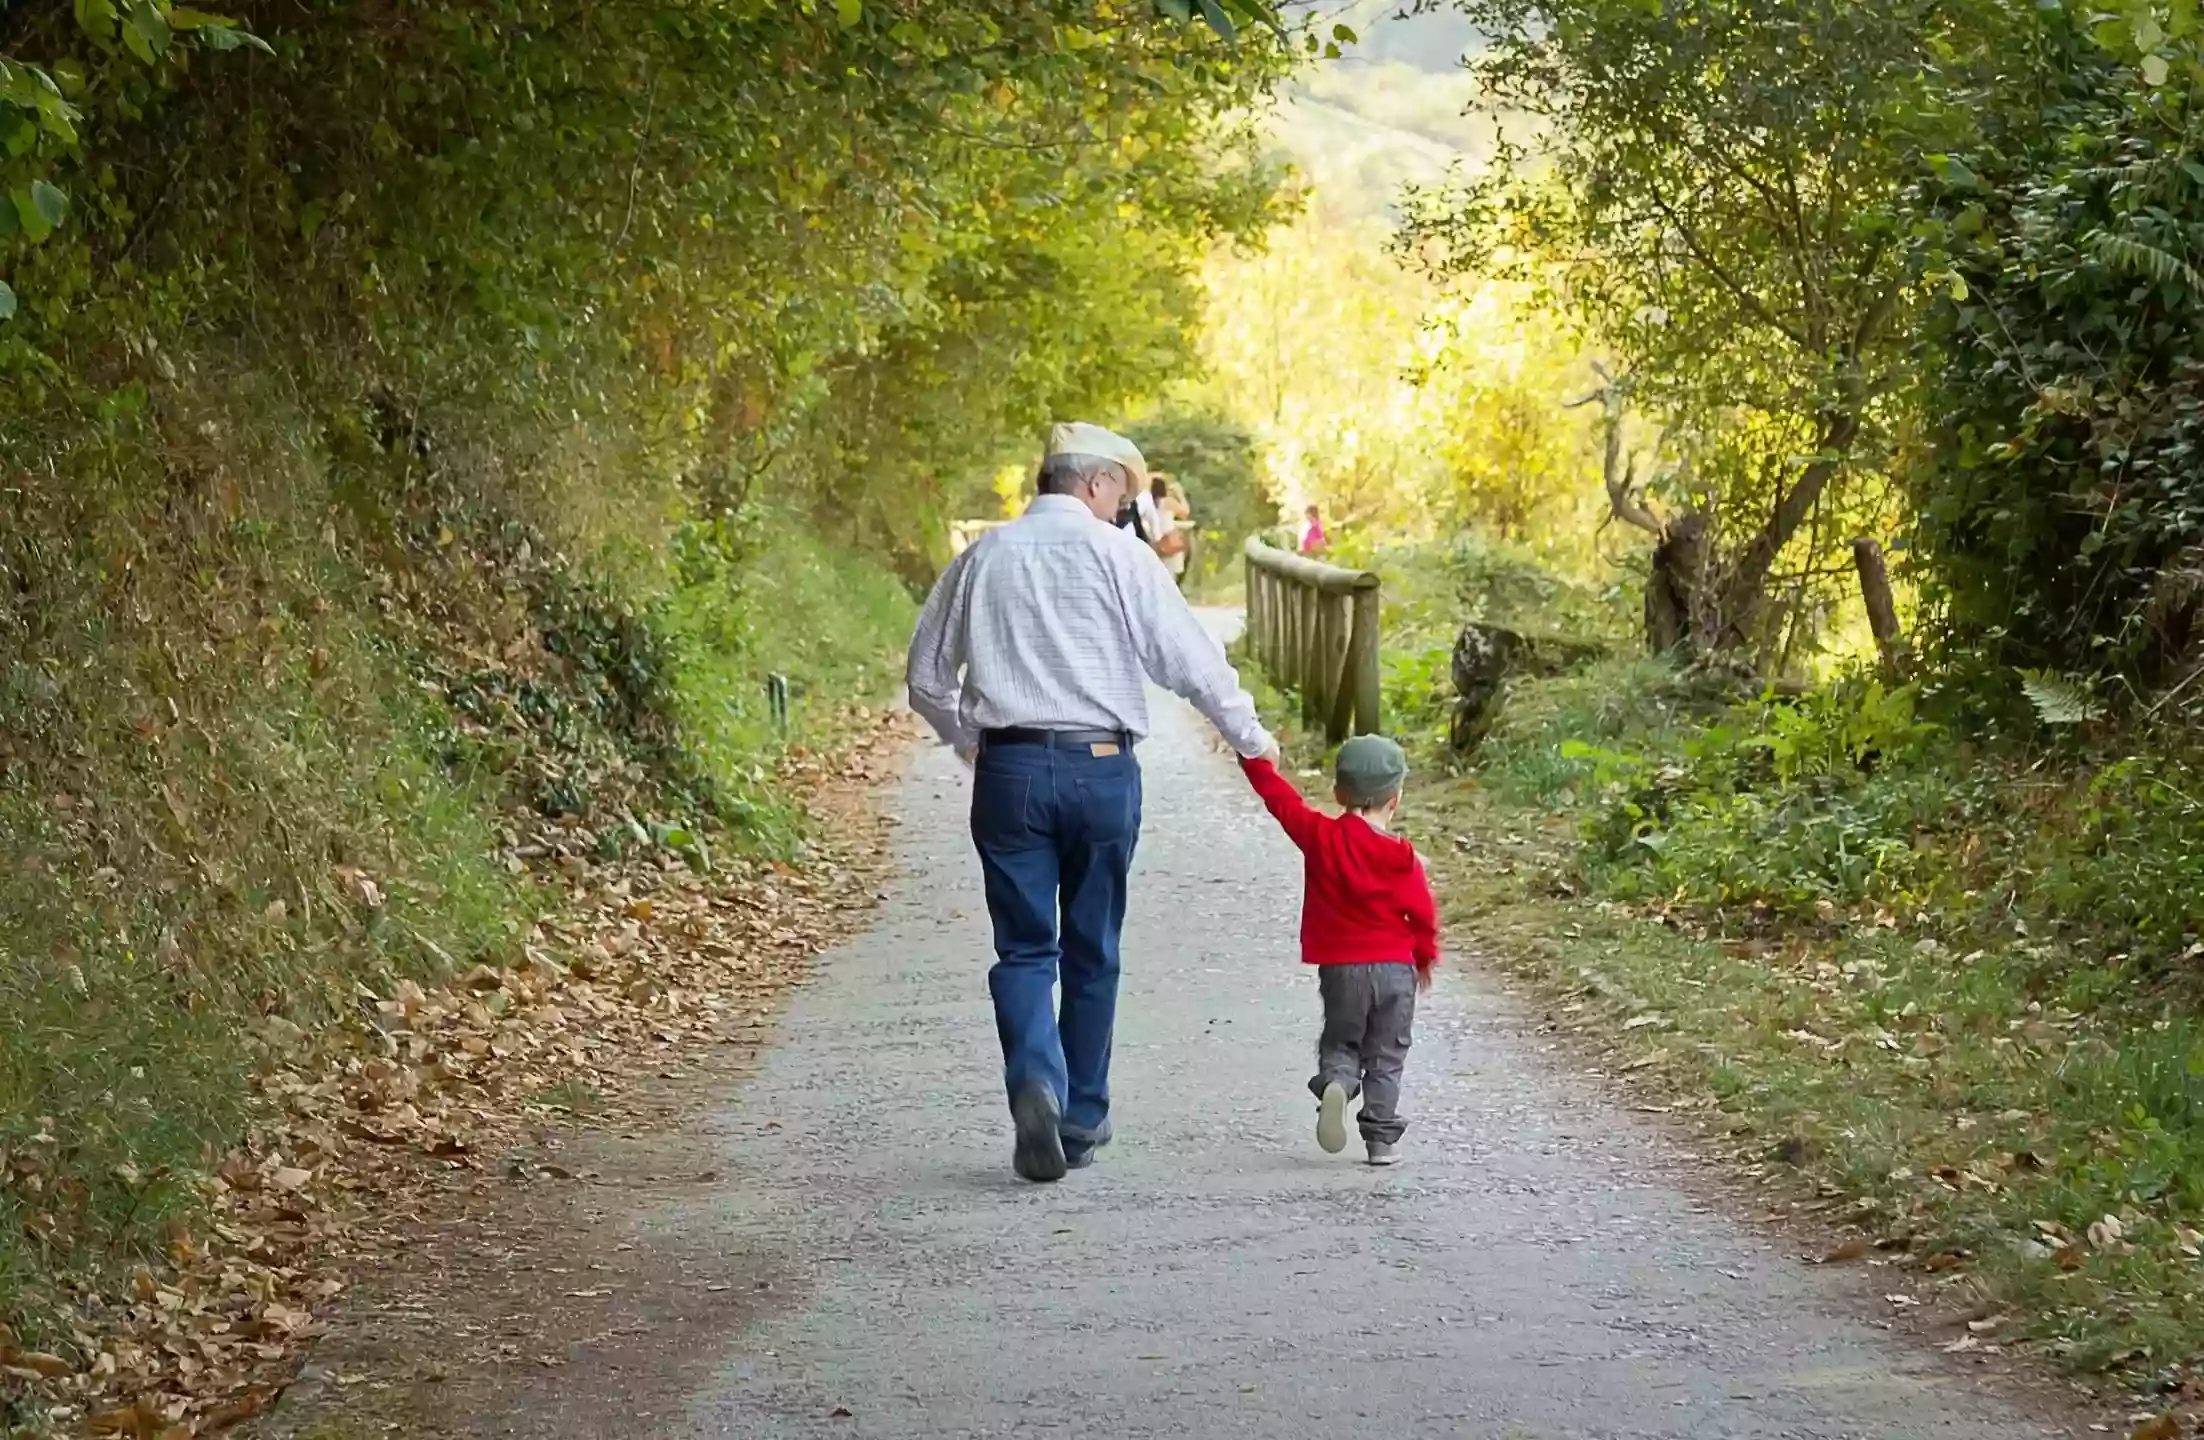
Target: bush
<point>2059,510</point>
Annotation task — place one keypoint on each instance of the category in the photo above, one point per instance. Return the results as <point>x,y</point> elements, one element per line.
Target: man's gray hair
<point>1064,474</point>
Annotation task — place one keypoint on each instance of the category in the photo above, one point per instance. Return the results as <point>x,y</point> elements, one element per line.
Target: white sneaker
<point>1331,1119</point>
<point>1384,1152</point>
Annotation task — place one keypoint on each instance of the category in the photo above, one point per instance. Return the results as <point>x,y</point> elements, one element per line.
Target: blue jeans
<point>1055,826</point>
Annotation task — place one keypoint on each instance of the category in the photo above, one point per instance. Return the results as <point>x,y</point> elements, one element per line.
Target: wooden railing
<point>1313,628</point>
<point>963,532</point>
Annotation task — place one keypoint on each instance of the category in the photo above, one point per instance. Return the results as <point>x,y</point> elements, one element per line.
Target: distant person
<point>1313,540</point>
<point>1032,660</point>
<point>1165,514</point>
<point>1368,923</point>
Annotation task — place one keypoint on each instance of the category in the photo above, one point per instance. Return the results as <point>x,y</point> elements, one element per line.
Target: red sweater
<point>1366,900</point>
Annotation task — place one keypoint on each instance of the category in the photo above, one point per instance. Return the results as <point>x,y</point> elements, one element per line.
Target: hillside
<point>1389,112</point>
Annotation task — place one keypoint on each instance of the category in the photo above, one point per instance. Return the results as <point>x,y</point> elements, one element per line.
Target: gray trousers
<point>1368,1012</point>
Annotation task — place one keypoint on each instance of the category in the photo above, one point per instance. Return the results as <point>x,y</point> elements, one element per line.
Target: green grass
<point>168,885</point>
<point>825,620</point>
<point>1962,1069</point>
<point>571,1096</point>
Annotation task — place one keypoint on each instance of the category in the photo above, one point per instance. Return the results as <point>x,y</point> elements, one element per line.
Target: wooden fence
<point>963,532</point>
<point>1314,630</point>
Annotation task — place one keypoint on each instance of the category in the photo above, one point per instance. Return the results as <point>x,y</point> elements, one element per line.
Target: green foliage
<point>762,249</point>
<point>2059,699</point>
<point>1520,464</point>
<point>773,603</point>
<point>1838,729</point>
<point>1846,802</point>
<point>1401,408</point>
<point>1709,190</point>
<point>2059,508</point>
<point>1432,589</point>
<point>1217,461</point>
<point>197,781</point>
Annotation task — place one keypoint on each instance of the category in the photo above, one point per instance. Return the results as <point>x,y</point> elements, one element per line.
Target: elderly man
<point>1031,659</point>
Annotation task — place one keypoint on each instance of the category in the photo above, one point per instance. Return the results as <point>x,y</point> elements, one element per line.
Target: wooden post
<point>1328,634</point>
<point>1274,600</point>
<point>1339,661</point>
<point>1310,656</point>
<point>1297,652</point>
<point>1258,618</point>
<point>1882,607</point>
<point>1363,662</point>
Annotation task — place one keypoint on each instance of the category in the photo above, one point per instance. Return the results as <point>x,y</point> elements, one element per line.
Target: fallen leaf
<point>235,1411</point>
<point>52,1366</point>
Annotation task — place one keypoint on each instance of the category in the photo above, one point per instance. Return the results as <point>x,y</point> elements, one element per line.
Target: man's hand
<point>1273,754</point>
<point>969,754</point>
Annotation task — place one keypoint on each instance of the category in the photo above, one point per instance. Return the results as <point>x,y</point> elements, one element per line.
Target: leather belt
<point>1060,739</point>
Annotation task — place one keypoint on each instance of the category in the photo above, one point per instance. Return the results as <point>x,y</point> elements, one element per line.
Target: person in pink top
<point>1312,534</point>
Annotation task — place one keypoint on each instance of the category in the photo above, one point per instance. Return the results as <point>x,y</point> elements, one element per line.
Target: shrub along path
<point>1895,1002</point>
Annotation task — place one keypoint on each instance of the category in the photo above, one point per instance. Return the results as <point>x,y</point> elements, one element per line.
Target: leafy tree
<point>1515,463</point>
<point>2061,513</point>
<point>837,250</point>
<point>1708,189</point>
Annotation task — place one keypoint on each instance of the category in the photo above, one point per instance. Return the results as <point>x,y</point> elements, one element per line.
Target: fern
<point>2124,252</point>
<point>2059,699</point>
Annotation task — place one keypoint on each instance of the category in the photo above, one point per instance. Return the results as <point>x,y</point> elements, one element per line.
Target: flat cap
<point>1077,437</point>
<point>1369,768</point>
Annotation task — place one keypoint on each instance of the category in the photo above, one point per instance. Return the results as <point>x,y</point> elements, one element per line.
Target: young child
<point>1368,924</point>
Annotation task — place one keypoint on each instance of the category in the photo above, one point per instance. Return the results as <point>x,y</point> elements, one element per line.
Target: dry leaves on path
<point>646,961</point>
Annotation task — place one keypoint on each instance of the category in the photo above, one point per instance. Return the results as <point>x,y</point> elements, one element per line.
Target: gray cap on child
<point>1369,768</point>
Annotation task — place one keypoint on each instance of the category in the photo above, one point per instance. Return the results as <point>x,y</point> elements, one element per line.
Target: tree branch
<point>1618,474</point>
<point>1754,306</point>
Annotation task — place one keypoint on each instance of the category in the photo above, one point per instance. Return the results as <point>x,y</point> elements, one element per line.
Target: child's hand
<point>1423,977</point>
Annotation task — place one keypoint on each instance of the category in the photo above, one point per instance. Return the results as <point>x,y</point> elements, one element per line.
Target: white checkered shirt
<point>1054,622</point>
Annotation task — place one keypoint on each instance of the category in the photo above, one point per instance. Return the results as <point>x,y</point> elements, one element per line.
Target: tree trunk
<point>1882,607</point>
<point>1675,591</point>
<point>1747,582</point>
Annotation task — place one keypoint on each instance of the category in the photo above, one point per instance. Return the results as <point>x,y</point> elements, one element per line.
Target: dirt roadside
<point>523,1275</point>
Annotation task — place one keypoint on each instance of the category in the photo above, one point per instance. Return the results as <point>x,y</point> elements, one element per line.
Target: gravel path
<point>1532,1270</point>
